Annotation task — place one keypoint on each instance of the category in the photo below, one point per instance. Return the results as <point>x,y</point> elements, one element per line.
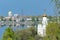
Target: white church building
<point>41,30</point>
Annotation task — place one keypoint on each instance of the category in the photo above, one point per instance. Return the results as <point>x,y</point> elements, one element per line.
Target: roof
<point>44,15</point>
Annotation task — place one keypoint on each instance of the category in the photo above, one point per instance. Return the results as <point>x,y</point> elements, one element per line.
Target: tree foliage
<point>8,34</point>
<point>53,32</point>
<point>26,34</point>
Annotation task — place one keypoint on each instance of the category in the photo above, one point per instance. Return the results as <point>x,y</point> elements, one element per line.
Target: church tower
<point>41,30</point>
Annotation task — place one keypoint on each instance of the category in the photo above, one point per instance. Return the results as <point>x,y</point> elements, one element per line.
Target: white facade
<point>17,19</point>
<point>29,19</point>
<point>45,21</point>
<point>15,15</point>
<point>41,30</point>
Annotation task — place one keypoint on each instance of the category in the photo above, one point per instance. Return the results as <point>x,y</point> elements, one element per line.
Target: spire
<point>44,15</point>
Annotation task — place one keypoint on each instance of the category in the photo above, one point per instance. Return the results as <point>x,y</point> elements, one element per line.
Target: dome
<point>9,13</point>
<point>44,15</point>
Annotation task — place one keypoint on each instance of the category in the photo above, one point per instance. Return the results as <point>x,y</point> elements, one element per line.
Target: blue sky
<point>29,7</point>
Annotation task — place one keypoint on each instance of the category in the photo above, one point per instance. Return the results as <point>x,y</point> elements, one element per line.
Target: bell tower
<point>41,30</point>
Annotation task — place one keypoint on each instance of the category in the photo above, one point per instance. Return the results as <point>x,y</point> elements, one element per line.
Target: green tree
<point>8,34</point>
<point>33,19</point>
<point>26,34</point>
<point>1,17</point>
<point>10,19</point>
<point>53,32</point>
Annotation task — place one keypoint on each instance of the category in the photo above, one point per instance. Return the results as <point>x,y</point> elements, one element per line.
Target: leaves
<point>26,34</point>
<point>8,34</point>
<point>53,32</point>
